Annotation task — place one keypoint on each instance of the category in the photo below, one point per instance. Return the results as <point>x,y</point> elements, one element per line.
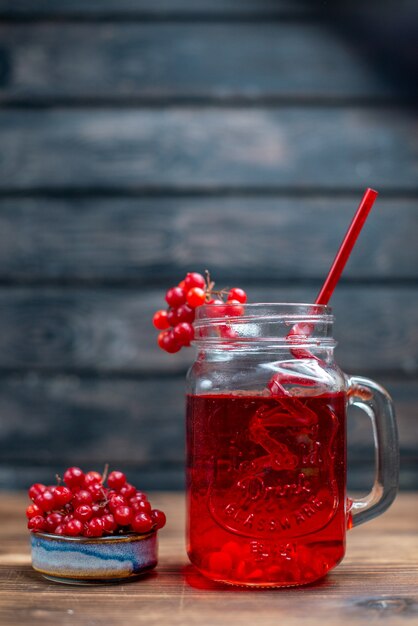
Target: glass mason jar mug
<point>266,446</point>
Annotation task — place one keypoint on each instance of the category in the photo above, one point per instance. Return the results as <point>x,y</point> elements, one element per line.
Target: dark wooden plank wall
<point>141,139</point>
<point>157,9</point>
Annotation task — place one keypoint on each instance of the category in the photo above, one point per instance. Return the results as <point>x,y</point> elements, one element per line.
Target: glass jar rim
<point>280,309</point>
<point>265,322</point>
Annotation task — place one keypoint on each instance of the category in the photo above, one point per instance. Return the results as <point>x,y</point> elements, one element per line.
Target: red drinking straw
<point>276,383</point>
<point>346,246</point>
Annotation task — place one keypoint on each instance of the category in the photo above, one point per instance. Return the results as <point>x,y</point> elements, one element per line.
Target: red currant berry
<point>227,332</point>
<point>33,510</point>
<point>45,501</point>
<point>97,491</point>
<point>237,294</point>
<point>141,506</point>
<point>182,285</point>
<point>142,523</point>
<point>62,495</point>
<point>159,518</point>
<point>109,524</point>
<point>123,515</point>
<point>216,311</point>
<point>172,317</point>
<point>84,513</point>
<point>60,530</point>
<point>160,320</point>
<point>175,297</point>
<point>74,528</point>
<point>134,502</point>
<point>141,495</point>
<point>116,480</point>
<point>97,510</point>
<point>91,478</point>
<point>82,497</point>
<point>193,279</point>
<point>52,521</point>
<point>185,314</point>
<point>233,308</point>
<point>37,523</point>
<point>127,491</point>
<point>68,518</point>
<point>161,339</point>
<point>167,342</point>
<point>115,502</point>
<point>184,333</point>
<point>74,477</point>
<point>36,490</point>
<point>195,297</point>
<point>94,528</point>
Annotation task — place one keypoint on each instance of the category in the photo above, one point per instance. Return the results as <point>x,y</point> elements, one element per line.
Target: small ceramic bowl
<point>83,560</point>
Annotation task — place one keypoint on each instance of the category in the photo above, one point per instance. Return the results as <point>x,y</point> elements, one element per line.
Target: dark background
<point>140,140</point>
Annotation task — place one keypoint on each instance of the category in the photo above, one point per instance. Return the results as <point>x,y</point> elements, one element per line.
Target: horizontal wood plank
<point>47,423</point>
<point>308,148</point>
<point>158,61</point>
<point>237,238</point>
<point>130,422</point>
<point>110,330</point>
<point>137,8</point>
<point>376,582</point>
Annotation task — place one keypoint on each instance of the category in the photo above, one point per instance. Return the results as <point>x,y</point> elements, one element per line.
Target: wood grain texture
<point>49,422</point>
<point>109,330</point>
<point>209,148</point>
<point>142,138</point>
<point>137,8</point>
<point>114,239</point>
<point>376,582</point>
<point>159,61</point>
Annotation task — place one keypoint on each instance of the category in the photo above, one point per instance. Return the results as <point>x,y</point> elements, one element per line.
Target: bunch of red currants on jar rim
<point>176,322</point>
<point>85,506</point>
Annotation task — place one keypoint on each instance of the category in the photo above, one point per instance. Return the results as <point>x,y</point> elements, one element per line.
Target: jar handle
<point>377,403</point>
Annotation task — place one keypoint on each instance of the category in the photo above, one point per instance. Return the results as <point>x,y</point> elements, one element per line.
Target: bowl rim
<point>125,538</point>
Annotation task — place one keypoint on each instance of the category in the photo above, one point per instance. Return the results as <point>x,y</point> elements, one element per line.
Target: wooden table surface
<point>377,582</point>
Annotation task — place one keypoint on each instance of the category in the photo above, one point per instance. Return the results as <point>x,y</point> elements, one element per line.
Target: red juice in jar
<point>266,482</point>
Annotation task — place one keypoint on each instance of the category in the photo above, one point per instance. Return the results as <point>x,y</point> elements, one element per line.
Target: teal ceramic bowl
<point>83,560</point>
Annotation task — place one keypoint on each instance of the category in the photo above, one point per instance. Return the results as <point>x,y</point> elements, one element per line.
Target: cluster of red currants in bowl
<point>176,322</point>
<point>84,505</point>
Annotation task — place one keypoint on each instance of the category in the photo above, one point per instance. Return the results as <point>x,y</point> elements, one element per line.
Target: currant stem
<point>209,286</point>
